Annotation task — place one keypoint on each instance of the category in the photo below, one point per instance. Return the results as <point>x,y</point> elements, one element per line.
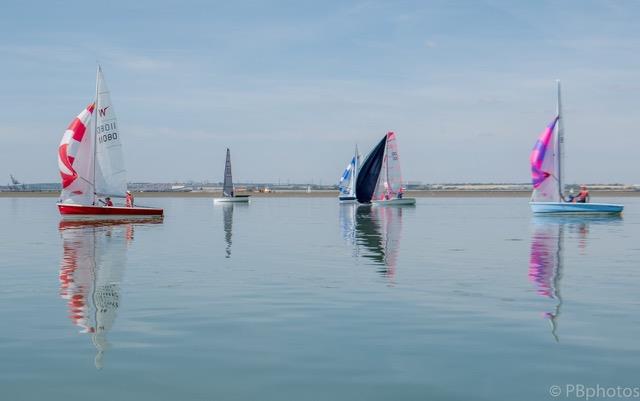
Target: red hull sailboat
<point>92,165</point>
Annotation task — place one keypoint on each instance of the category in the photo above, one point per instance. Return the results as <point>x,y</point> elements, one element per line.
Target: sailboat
<point>347,184</point>
<point>547,163</point>
<point>379,179</point>
<point>228,192</point>
<point>91,163</point>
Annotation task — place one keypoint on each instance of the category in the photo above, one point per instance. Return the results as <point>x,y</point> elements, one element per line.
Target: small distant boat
<point>379,179</point>
<point>547,162</point>
<point>92,165</point>
<point>347,184</point>
<point>228,192</point>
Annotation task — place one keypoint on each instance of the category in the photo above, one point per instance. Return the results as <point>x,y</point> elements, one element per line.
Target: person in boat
<point>129,199</point>
<point>400,195</point>
<point>106,201</point>
<point>583,195</point>
<point>570,197</point>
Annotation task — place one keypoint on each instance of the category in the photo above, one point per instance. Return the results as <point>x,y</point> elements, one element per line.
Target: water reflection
<point>227,217</point>
<point>91,271</point>
<point>546,261</point>
<point>374,233</point>
<point>227,220</point>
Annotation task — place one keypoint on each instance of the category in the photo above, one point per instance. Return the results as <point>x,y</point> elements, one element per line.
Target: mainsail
<point>369,172</point>
<point>227,187</point>
<point>545,166</point>
<point>75,159</point>
<point>111,179</point>
<point>389,183</point>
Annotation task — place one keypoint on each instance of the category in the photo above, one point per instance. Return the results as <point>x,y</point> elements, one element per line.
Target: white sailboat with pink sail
<point>92,166</point>
<point>547,164</point>
<point>379,178</point>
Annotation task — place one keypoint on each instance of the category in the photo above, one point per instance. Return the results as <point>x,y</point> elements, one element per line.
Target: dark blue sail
<point>369,172</point>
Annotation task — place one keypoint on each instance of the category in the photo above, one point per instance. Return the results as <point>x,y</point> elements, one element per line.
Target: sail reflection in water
<point>374,233</point>
<point>546,262</point>
<point>227,220</point>
<point>93,263</point>
<point>227,217</point>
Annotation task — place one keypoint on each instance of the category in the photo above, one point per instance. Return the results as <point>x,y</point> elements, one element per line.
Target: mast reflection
<point>91,271</point>
<point>546,261</point>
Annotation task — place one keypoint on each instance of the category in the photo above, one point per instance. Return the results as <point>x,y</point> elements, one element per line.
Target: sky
<point>292,86</point>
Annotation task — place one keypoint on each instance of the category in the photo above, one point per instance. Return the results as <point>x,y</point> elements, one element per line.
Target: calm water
<point>303,299</point>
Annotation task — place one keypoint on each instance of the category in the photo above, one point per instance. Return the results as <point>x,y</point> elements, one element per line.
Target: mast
<point>95,134</point>
<point>386,167</point>
<point>560,144</point>
<point>354,173</point>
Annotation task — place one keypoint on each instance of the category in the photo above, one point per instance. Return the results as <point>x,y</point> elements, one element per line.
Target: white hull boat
<point>547,164</point>
<point>394,202</point>
<point>233,199</point>
<point>572,208</point>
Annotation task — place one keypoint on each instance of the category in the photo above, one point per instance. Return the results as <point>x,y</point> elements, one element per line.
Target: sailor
<point>108,201</point>
<point>571,196</point>
<point>129,199</point>
<point>583,195</point>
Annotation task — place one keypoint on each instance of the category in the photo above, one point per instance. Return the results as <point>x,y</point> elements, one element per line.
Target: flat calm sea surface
<point>304,299</point>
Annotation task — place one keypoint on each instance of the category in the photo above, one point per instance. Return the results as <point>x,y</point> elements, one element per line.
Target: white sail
<point>110,174</point>
<point>389,183</point>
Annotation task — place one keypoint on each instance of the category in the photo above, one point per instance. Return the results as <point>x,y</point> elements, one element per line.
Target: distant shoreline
<point>331,194</point>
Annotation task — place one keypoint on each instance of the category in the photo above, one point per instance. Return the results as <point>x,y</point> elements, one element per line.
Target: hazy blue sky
<point>291,86</point>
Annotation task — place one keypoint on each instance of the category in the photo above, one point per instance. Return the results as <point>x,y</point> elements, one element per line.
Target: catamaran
<point>379,178</point>
<point>91,163</point>
<point>228,192</point>
<point>547,163</point>
<point>347,184</point>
